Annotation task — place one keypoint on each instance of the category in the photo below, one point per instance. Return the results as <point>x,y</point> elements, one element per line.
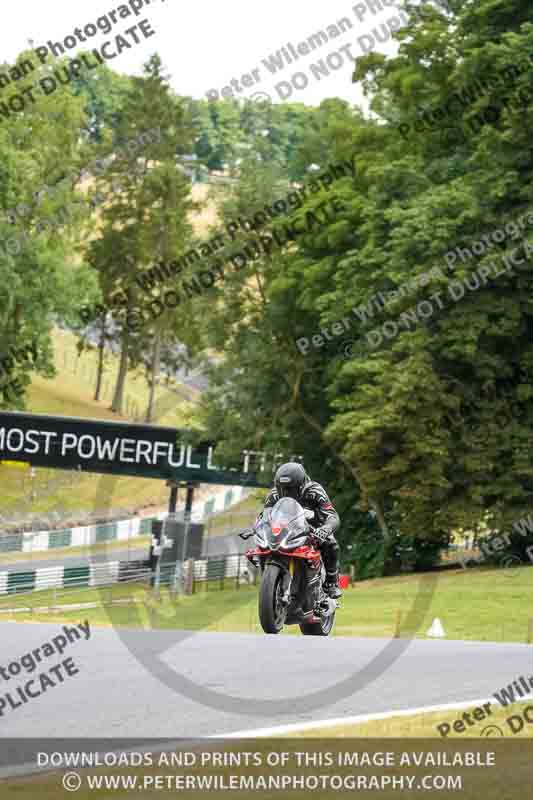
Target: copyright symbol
<point>261,99</point>
<point>347,348</point>
<point>510,563</point>
<point>71,781</point>
<point>492,730</point>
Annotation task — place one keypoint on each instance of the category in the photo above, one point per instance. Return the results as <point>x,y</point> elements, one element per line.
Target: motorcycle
<point>292,571</point>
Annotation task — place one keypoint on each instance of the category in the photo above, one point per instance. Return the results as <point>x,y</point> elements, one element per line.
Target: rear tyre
<point>322,628</point>
<point>271,612</point>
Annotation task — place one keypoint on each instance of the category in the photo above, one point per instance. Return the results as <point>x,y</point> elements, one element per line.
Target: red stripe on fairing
<point>328,505</point>
<point>300,552</point>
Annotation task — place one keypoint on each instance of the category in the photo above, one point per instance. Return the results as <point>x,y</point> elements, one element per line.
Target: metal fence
<point>222,572</point>
<point>126,531</point>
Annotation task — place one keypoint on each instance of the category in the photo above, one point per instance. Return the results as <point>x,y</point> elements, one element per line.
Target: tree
<point>431,426</point>
<point>259,394</point>
<point>39,281</point>
<point>437,418</point>
<point>145,216</point>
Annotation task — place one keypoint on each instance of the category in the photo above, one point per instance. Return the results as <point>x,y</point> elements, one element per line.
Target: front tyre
<point>272,612</point>
<point>322,628</point>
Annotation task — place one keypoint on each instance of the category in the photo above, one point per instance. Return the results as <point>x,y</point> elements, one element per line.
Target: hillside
<point>70,393</point>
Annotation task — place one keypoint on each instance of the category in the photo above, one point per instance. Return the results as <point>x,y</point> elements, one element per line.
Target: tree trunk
<point>118,397</point>
<point>100,370</point>
<point>154,374</point>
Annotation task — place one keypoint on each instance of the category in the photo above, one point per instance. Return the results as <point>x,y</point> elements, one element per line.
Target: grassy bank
<point>478,605</point>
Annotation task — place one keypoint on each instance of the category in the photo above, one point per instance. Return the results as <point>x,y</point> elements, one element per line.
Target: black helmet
<point>289,480</point>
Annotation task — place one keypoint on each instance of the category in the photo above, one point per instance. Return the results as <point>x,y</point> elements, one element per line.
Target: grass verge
<point>478,605</point>
<point>497,722</point>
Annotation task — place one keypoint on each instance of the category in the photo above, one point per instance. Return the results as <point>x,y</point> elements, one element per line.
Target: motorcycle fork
<point>288,585</point>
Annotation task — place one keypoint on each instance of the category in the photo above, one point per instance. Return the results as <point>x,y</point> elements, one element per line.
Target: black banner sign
<point>121,448</point>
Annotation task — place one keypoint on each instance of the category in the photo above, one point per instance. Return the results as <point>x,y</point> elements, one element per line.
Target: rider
<point>291,480</point>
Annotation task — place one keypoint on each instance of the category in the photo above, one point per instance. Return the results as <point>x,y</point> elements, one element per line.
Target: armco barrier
<point>12,543</point>
<point>20,581</point>
<point>75,576</point>
<point>59,539</point>
<point>213,569</point>
<point>108,573</point>
<point>50,575</point>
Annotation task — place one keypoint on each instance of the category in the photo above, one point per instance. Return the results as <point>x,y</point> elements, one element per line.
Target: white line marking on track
<point>354,720</point>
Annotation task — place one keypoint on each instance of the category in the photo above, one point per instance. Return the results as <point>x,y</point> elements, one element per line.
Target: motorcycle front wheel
<point>272,612</point>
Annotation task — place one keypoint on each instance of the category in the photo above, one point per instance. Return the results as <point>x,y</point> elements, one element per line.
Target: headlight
<point>260,540</point>
<point>294,542</point>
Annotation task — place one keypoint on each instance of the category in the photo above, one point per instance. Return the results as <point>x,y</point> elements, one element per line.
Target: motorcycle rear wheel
<point>271,613</point>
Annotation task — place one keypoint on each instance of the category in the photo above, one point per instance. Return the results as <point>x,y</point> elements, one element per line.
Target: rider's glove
<point>321,534</point>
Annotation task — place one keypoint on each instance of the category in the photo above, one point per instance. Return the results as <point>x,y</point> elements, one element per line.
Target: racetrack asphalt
<point>115,696</point>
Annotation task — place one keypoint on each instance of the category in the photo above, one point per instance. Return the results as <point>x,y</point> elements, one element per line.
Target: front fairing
<point>283,527</point>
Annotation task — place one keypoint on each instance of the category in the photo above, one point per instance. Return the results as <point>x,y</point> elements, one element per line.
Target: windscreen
<point>288,513</point>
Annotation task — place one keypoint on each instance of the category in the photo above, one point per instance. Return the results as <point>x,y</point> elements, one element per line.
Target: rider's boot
<point>330,556</point>
<point>331,585</point>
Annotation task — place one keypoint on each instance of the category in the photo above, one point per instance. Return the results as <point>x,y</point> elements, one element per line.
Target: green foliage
<point>144,219</point>
<point>435,422</point>
<point>104,94</point>
<point>228,130</point>
<point>431,429</point>
<point>436,419</point>
<point>37,279</point>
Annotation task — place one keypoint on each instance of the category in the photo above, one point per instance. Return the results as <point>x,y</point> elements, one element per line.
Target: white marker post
<point>436,630</point>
